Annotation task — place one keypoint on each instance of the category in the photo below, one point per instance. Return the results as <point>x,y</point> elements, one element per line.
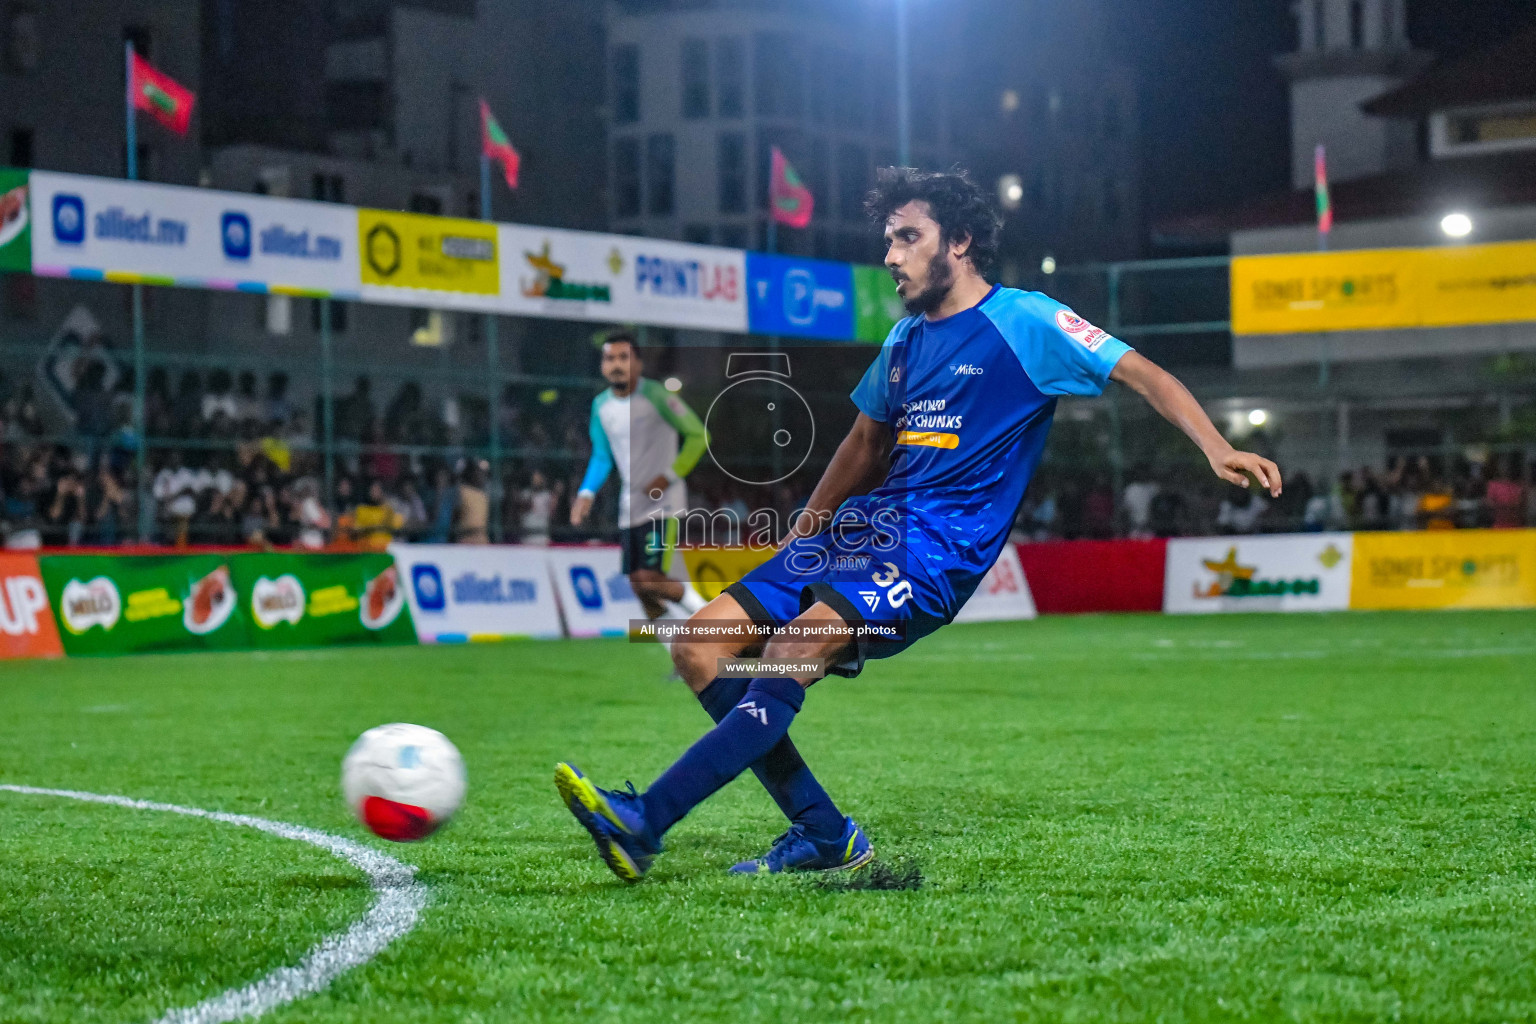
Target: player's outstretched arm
<point>1175,404</point>
<point>854,469</point>
<point>598,468</point>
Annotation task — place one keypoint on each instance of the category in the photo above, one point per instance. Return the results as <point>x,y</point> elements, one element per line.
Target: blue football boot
<point>615,820</point>
<point>796,851</point>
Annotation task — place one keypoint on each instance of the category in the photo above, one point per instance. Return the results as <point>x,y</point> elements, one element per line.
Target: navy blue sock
<point>782,771</point>
<point>751,729</point>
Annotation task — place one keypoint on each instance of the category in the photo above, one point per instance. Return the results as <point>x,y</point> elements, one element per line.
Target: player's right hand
<point>579,509</point>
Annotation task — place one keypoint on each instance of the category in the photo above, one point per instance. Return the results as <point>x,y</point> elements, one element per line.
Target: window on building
<point>23,42</point>
<point>1111,201</point>
<point>1356,25</point>
<point>328,188</point>
<point>1112,117</point>
<point>426,202</point>
<point>697,233</point>
<point>626,84</point>
<point>852,180</point>
<point>660,164</point>
<point>731,76</point>
<point>695,78</point>
<point>778,76</point>
<point>732,236</point>
<point>21,154</point>
<point>731,164</point>
<point>850,92</point>
<point>626,178</point>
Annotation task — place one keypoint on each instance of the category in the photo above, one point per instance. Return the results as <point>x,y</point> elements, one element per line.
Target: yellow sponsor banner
<point>1444,569</point>
<point>410,250</point>
<point>1374,289</point>
<point>712,569</point>
<point>928,439</point>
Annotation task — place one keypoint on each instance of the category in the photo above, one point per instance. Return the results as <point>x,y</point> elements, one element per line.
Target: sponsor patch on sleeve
<point>1080,330</point>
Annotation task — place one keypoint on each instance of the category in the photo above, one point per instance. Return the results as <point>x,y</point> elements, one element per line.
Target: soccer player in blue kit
<point>958,404</point>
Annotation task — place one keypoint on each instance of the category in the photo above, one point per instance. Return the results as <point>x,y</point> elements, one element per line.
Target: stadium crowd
<point>235,463</point>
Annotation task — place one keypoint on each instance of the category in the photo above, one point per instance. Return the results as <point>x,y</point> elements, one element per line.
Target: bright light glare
<point>1010,189</point>
<point>1456,225</point>
<point>1258,417</point>
<point>672,384</point>
<point>1048,265</point>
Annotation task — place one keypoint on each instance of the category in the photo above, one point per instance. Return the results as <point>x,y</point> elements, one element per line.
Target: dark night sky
<point>1215,116</point>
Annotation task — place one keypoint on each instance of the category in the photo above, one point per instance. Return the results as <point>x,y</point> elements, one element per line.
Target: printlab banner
<point>110,604</point>
<point>581,275</point>
<point>595,597</point>
<point>461,593</point>
<point>1284,573</point>
<point>1373,289</point>
<point>1445,569</point>
<point>107,229</point>
<point>314,600</point>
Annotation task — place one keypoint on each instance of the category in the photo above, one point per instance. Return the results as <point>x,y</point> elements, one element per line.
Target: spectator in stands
<point>1507,494</point>
<point>1437,501</point>
<point>1099,510</point>
<point>376,520</point>
<point>219,400</point>
<point>443,501</point>
<point>355,414</point>
<point>65,520</point>
<point>175,492</point>
<point>187,407</point>
<point>379,462</point>
<point>1469,490</point>
<point>346,508</point>
<point>1137,500</point>
<point>313,520</point>
<point>249,408</point>
<point>1242,515</point>
<point>92,406</point>
<point>537,504</point>
<point>474,506</point>
<point>108,504</point>
<point>278,409</point>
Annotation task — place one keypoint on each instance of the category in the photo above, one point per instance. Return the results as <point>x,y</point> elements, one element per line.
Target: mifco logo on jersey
<point>966,370</point>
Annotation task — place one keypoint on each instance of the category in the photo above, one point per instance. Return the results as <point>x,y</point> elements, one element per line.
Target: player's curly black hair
<point>959,205</point>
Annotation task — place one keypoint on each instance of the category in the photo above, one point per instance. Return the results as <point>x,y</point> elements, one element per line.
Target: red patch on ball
<point>400,823</point>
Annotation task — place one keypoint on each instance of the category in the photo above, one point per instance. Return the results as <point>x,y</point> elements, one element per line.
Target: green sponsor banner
<point>110,604</point>
<point>15,222</point>
<point>313,600</point>
<point>876,305</point>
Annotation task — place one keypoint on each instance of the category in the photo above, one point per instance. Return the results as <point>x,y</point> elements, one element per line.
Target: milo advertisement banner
<point>107,604</point>
<point>15,222</point>
<point>313,600</point>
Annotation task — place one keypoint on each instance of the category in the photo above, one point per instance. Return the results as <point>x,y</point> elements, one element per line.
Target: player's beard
<point>941,278</point>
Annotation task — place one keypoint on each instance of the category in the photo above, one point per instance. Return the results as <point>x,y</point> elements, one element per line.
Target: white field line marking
<point>395,912</point>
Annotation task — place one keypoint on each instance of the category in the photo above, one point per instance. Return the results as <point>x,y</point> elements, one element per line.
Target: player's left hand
<point>1235,467</point>
<point>657,487</point>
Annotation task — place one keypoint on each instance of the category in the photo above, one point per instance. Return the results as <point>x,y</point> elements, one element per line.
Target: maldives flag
<point>167,99</point>
<point>495,145</point>
<point>1320,185</point>
<point>792,202</point>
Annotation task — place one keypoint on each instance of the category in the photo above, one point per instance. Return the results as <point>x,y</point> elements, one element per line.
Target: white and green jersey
<point>648,433</point>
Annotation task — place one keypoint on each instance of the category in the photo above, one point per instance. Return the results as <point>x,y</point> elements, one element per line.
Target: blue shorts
<point>876,583</point>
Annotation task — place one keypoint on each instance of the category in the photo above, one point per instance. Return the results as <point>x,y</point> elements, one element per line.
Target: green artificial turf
<point>1115,818</point>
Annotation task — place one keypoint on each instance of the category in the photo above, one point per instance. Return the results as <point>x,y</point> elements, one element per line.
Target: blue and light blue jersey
<point>969,401</point>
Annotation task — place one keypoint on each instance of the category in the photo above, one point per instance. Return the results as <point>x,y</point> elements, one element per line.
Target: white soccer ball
<point>403,781</point>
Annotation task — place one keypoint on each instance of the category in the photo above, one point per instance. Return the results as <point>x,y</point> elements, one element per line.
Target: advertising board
<point>1445,569</point>
<point>111,604</point>
<point>467,593</point>
<point>27,627</point>
<point>1282,573</point>
<point>313,600</point>
<point>131,231</point>
<point>595,597</point>
<point>1003,593</point>
<point>799,298</point>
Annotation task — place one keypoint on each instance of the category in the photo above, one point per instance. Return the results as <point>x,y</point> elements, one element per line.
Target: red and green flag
<point>494,145</point>
<point>1320,185</point>
<point>791,201</point>
<point>164,98</point>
